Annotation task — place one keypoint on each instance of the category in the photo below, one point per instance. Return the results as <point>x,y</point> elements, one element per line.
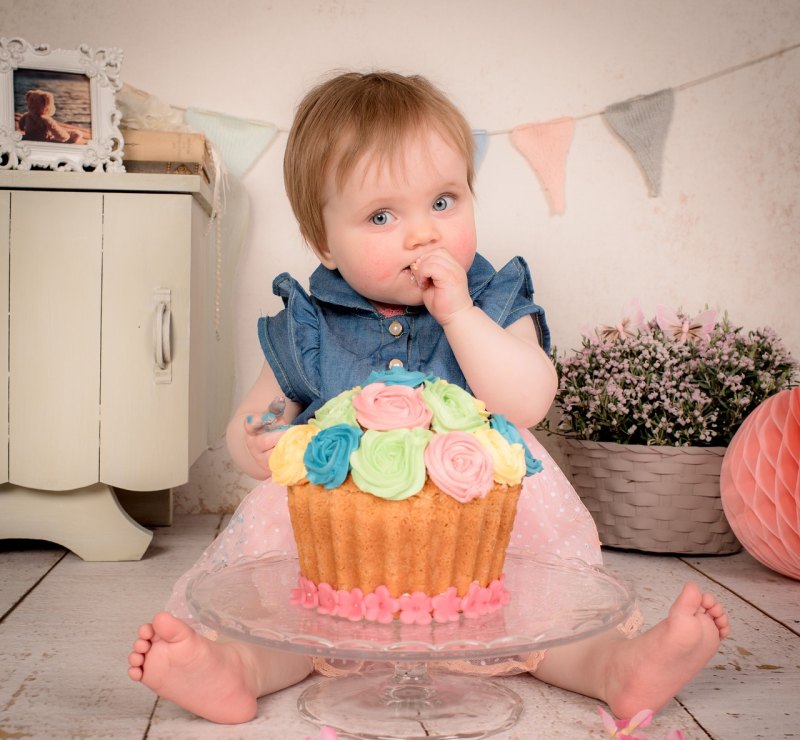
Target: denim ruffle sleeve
<point>508,296</point>
<point>291,343</point>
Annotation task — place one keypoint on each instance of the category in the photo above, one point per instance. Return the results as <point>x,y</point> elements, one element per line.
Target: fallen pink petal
<point>326,733</point>
<point>626,728</point>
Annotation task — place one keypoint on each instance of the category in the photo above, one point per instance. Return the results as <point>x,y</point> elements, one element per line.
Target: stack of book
<point>167,152</point>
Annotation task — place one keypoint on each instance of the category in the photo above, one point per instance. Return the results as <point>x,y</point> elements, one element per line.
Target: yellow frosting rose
<point>286,461</point>
<point>509,459</point>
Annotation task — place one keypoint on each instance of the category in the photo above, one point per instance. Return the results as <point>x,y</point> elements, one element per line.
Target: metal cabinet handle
<point>161,334</point>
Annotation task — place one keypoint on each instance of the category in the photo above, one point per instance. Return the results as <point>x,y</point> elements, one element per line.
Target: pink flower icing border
<point>415,608</point>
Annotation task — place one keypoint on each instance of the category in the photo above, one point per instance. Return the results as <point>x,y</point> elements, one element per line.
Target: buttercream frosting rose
<point>511,433</point>
<point>454,410</point>
<point>398,376</point>
<point>327,456</point>
<point>384,407</point>
<point>509,460</point>
<point>338,410</point>
<point>391,464</point>
<point>286,461</point>
<point>460,465</point>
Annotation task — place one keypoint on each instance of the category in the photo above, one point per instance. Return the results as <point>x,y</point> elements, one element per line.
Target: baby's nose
<point>421,234</point>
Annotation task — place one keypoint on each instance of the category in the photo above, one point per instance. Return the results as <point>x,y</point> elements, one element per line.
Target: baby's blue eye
<point>381,218</point>
<point>444,202</point>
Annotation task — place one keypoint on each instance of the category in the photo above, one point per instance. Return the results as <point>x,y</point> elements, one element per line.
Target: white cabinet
<point>107,282</point>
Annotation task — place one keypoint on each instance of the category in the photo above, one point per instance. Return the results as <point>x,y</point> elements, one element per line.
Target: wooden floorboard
<point>65,646</point>
<point>67,627</point>
<point>773,593</point>
<point>22,564</point>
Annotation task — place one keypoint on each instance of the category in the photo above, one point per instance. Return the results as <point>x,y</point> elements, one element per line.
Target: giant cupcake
<point>402,496</point>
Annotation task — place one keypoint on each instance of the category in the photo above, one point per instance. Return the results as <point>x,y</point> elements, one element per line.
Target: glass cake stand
<point>403,693</point>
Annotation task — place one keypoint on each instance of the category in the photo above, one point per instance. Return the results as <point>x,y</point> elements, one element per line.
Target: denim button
<point>395,363</point>
<point>395,328</point>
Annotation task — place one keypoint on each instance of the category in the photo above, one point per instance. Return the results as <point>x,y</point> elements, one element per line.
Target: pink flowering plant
<point>674,380</point>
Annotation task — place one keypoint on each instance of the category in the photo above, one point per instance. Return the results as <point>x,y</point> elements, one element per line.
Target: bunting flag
<point>240,142</point>
<point>545,146</point>
<point>481,139</point>
<point>642,124</point>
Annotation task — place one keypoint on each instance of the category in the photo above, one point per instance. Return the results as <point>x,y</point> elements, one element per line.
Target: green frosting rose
<point>391,464</point>
<point>338,410</point>
<point>454,410</point>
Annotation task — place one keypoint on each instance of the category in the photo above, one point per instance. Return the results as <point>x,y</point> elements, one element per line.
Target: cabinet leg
<point>89,521</point>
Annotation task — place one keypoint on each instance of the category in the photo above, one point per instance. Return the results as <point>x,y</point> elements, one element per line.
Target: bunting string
<point>641,123</point>
<point>685,85</point>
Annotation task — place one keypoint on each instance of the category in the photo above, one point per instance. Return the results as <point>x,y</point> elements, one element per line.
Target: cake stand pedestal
<point>408,690</point>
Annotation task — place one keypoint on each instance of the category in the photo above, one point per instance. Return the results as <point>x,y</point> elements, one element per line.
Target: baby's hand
<point>264,430</point>
<point>444,285</point>
<point>267,420</point>
<point>260,446</point>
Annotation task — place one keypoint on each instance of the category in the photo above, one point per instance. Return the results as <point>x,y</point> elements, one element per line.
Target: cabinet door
<point>5,205</point>
<point>54,339</point>
<point>144,398</point>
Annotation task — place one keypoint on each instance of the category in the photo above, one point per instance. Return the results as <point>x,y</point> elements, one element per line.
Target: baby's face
<point>393,210</point>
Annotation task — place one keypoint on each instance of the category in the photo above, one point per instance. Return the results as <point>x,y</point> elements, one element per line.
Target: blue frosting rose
<point>511,434</point>
<point>398,376</point>
<point>327,456</point>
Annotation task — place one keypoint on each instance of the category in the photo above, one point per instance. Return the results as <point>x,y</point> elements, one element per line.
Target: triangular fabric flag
<point>545,146</point>
<point>240,142</point>
<point>642,124</point>
<point>481,139</point>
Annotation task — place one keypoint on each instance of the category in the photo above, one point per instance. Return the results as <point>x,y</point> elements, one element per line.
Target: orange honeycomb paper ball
<point>760,483</point>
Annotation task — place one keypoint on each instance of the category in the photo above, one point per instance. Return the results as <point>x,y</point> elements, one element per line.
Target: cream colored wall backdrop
<point>725,230</point>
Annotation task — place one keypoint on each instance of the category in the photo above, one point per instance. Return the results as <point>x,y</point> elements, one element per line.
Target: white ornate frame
<point>103,152</point>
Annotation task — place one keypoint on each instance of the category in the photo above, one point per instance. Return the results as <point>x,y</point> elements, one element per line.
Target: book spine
<point>169,168</point>
<point>163,146</point>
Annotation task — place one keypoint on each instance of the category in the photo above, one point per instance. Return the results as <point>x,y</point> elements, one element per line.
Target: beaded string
<point>217,209</point>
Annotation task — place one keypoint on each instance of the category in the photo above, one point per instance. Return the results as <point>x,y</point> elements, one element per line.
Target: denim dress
<point>324,343</point>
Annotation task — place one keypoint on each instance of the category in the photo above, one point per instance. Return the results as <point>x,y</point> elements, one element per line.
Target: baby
<point>38,123</point>
<point>379,172</point>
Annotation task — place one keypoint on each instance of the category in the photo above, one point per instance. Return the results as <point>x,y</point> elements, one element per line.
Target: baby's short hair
<point>351,114</point>
<point>40,102</point>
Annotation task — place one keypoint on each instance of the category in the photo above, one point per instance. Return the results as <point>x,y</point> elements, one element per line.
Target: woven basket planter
<point>655,499</point>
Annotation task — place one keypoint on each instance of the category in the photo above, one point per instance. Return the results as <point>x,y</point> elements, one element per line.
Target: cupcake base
<point>424,544</point>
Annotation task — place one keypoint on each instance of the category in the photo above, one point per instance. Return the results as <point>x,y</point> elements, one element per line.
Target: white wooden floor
<point>67,625</point>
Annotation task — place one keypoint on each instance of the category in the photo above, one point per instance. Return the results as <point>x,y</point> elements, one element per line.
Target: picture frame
<point>58,108</point>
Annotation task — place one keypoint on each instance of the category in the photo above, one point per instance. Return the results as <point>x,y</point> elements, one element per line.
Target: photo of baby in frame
<point>58,108</point>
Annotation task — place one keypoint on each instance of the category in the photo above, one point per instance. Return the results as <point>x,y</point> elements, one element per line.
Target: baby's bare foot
<point>648,670</point>
<point>207,678</point>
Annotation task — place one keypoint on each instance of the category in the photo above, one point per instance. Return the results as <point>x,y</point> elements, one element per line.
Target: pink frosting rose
<point>460,465</point>
<point>383,407</point>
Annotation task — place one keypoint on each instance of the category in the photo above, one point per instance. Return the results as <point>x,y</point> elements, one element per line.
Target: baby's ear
<point>322,252</point>
<point>326,259</point>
